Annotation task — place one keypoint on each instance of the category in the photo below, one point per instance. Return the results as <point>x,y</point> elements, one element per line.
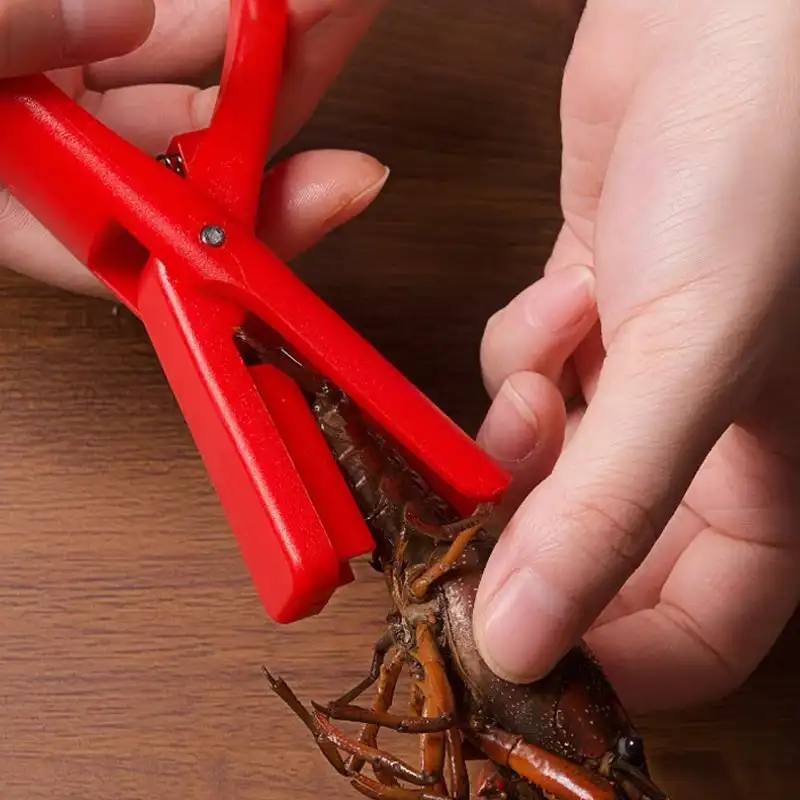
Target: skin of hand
<point>645,390</point>
<point>125,61</point>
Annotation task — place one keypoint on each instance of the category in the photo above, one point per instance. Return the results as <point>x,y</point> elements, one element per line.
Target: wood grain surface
<point>131,640</point>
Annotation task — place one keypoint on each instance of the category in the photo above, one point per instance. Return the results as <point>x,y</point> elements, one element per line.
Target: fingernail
<point>510,431</point>
<point>359,202</point>
<point>570,297</point>
<point>373,189</point>
<point>493,320</point>
<point>523,632</point>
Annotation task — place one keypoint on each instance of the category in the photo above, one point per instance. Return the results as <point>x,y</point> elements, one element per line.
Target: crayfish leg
<point>559,778</point>
<point>418,588</point>
<point>434,698</point>
<point>379,651</point>
<point>384,699</point>
<point>435,689</point>
<point>457,765</point>
<point>377,758</point>
<point>377,791</point>
<point>284,692</point>
<point>382,719</point>
<point>448,532</point>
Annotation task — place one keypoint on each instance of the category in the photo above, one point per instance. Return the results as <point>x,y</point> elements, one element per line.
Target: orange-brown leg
<point>437,699</point>
<point>384,699</point>
<point>417,700</point>
<point>331,741</point>
<point>448,532</point>
<point>379,651</point>
<point>382,719</point>
<point>386,769</point>
<point>432,749</point>
<point>378,791</point>
<point>419,586</point>
<point>439,749</point>
<point>379,759</point>
<point>457,765</point>
<point>557,777</point>
<point>281,688</point>
<point>389,675</point>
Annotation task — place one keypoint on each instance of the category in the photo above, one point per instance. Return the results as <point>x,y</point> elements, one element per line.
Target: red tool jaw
<point>296,521</point>
<point>294,518</point>
<point>178,248</point>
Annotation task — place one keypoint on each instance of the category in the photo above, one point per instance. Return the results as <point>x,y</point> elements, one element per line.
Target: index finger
<point>321,36</point>
<point>48,35</point>
<point>187,40</point>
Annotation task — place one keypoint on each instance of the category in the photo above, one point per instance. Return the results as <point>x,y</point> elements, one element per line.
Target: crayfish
<point>566,737</point>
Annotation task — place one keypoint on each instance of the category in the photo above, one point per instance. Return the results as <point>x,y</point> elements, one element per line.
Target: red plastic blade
<point>314,462</point>
<point>250,453</point>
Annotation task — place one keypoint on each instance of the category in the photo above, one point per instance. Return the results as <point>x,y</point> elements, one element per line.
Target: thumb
<point>43,35</point>
<point>658,409</point>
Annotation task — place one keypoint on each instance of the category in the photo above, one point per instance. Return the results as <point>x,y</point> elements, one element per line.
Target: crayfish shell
<point>573,712</point>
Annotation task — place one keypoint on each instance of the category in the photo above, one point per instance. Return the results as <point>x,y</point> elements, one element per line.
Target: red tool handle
<point>180,252</point>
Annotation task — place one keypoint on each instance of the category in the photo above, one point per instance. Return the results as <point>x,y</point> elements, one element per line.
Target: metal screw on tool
<point>212,235</point>
<point>172,161</point>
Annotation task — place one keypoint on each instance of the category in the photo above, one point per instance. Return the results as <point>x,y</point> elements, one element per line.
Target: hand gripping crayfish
<point>565,737</point>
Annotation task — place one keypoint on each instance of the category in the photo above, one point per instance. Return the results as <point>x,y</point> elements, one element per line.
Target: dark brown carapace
<point>563,738</point>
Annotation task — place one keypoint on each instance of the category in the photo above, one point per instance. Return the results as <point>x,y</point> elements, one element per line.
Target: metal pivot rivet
<point>212,235</point>
<point>172,161</point>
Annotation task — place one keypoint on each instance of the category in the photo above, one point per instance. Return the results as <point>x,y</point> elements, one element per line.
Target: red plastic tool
<point>178,248</point>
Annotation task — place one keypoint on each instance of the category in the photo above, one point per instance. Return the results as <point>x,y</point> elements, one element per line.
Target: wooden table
<point>130,638</point>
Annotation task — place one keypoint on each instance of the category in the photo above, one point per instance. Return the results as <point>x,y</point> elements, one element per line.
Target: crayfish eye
<point>631,749</point>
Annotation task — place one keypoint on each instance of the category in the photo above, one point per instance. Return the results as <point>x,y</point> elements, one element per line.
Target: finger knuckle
<point>726,671</point>
<point>617,532</point>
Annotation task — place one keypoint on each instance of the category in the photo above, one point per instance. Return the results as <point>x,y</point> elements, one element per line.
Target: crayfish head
<point>626,767</point>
